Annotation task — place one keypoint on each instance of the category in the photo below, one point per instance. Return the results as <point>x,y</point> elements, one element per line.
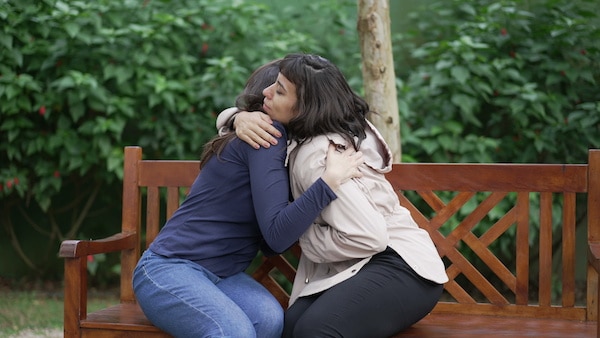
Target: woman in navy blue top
<point>191,281</point>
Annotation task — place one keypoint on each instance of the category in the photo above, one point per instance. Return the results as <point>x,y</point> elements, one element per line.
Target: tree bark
<point>378,70</point>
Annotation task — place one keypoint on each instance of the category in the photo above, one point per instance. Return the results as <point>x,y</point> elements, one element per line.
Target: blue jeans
<point>186,300</point>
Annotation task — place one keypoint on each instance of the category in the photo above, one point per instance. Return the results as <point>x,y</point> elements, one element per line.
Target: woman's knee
<point>268,319</point>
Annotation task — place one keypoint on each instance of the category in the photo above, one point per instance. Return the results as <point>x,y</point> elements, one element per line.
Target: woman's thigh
<point>385,297</point>
<point>261,307</point>
<point>183,299</point>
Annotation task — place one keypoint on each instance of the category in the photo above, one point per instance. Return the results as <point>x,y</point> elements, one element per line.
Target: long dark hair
<point>251,99</point>
<point>325,101</point>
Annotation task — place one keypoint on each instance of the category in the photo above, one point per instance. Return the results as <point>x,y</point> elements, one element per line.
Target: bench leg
<point>75,304</point>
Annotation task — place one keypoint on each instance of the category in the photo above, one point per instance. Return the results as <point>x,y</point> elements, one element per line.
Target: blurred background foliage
<point>478,81</point>
<point>500,81</point>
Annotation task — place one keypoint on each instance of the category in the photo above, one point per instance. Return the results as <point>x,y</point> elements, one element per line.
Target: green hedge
<point>501,81</point>
<point>81,79</point>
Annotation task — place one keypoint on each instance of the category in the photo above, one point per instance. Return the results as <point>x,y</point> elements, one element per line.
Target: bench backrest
<point>489,215</point>
<point>467,209</point>
<point>152,191</point>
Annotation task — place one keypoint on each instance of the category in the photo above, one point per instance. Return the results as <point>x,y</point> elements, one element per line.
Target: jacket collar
<point>376,152</point>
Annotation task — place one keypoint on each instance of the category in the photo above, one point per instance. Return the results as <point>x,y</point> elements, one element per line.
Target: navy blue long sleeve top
<point>239,200</point>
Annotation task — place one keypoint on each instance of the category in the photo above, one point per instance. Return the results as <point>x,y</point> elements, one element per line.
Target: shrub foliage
<point>81,79</point>
<point>501,81</point>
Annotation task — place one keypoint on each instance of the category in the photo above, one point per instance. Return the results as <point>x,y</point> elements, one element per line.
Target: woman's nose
<point>267,91</point>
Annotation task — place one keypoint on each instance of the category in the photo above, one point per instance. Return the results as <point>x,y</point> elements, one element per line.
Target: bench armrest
<point>594,255</point>
<point>83,248</point>
<point>75,253</point>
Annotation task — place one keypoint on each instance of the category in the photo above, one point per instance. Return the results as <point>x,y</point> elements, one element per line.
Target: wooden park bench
<point>527,287</point>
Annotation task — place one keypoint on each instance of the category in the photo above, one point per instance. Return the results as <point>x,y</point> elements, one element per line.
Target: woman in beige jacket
<point>367,269</point>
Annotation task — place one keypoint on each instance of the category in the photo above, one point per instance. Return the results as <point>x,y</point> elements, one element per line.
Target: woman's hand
<point>341,166</point>
<point>256,129</point>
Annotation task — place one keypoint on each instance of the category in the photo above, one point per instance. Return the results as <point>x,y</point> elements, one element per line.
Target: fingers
<point>256,129</point>
<point>248,139</point>
<point>350,158</point>
<point>354,160</point>
<point>354,157</point>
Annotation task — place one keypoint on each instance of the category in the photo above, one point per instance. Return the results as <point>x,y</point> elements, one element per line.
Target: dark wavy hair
<point>325,101</point>
<point>251,99</point>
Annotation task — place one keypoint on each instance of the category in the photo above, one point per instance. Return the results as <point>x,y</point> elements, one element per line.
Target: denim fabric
<point>186,300</point>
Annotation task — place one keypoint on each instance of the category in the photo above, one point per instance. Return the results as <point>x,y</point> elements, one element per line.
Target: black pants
<point>385,297</point>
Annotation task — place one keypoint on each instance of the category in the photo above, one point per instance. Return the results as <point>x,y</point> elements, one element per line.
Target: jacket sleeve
<point>224,121</point>
<point>350,227</point>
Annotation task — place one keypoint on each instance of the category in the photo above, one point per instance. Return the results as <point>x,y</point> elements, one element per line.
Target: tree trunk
<point>378,70</point>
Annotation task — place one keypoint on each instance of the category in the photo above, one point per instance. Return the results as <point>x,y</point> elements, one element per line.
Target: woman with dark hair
<point>191,282</point>
<point>367,269</point>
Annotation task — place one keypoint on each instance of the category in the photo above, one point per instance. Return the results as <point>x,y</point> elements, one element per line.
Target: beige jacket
<point>364,219</point>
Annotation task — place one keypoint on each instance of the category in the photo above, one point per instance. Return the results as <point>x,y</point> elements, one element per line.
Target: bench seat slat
<point>456,325</point>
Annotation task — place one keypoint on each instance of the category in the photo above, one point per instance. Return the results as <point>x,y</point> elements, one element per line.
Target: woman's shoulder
<point>281,128</point>
<point>311,150</point>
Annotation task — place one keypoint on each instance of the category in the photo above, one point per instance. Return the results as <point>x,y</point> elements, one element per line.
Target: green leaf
<point>6,41</point>
<point>17,57</point>
<point>460,73</point>
<point>464,102</point>
<point>517,106</point>
<point>72,29</point>
<point>443,64</point>
<point>63,83</point>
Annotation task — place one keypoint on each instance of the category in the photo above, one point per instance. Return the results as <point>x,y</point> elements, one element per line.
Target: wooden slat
<point>131,216</point>
<point>459,326</point>
<point>545,252</point>
<point>168,173</point>
<point>172,200</point>
<point>512,310</point>
<point>593,235</point>
<point>568,249</point>
<point>522,254</point>
<point>152,214</point>
<point>489,177</point>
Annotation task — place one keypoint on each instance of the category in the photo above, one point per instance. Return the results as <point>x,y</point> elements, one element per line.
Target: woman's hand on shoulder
<point>256,128</point>
<point>341,166</point>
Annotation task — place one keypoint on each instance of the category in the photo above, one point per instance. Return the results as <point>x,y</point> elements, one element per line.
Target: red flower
<point>204,48</point>
<point>9,184</point>
<point>42,110</point>
<point>583,52</point>
<point>56,173</point>
<point>512,54</point>
<point>15,180</point>
<point>503,31</point>
<point>90,258</point>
